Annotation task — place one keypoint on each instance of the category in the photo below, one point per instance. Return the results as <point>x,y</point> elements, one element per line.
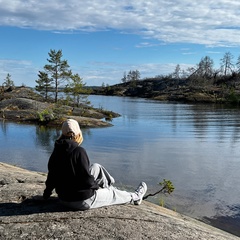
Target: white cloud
<point>204,22</point>
<point>158,22</point>
<point>148,44</point>
<point>18,69</point>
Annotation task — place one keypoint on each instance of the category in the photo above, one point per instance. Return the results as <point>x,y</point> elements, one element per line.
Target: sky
<point>102,39</point>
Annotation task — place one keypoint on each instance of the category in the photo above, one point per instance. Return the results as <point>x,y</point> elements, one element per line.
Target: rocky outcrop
<point>24,215</point>
<point>23,105</point>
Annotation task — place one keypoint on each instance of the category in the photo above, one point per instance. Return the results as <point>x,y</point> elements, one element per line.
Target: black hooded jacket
<point>68,172</point>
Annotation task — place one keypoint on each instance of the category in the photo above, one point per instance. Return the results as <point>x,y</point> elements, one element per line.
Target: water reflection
<point>20,144</point>
<point>3,127</point>
<point>46,137</point>
<point>195,146</point>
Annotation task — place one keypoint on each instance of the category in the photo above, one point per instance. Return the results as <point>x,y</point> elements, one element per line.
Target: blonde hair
<point>78,138</point>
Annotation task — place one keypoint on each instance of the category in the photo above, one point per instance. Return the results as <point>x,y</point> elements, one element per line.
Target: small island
<point>43,105</point>
<point>23,104</point>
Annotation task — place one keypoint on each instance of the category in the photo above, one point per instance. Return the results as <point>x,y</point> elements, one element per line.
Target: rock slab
<point>23,215</point>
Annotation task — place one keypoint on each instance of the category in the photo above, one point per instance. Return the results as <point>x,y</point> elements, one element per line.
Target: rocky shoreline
<point>24,216</point>
<point>222,91</point>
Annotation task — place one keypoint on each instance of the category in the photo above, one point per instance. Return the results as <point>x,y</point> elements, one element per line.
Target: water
<point>197,147</point>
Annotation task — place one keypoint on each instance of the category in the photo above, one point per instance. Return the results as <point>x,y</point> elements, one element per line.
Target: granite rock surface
<point>24,215</point>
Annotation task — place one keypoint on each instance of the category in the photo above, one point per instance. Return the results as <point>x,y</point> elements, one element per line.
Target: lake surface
<point>197,147</point>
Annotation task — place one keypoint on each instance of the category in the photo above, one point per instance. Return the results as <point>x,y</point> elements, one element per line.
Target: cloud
<point>19,69</point>
<point>148,44</point>
<point>158,22</point>
<point>202,22</point>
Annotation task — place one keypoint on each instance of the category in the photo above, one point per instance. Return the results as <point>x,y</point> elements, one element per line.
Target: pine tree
<point>58,70</point>
<point>8,81</point>
<point>75,88</point>
<point>44,84</point>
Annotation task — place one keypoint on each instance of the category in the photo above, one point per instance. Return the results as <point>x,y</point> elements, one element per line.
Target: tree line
<point>57,75</point>
<point>203,70</point>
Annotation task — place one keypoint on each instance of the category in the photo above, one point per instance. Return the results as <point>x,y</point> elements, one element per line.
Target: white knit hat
<point>71,126</point>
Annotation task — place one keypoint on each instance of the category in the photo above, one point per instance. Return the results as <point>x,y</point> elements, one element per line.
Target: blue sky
<point>103,39</point>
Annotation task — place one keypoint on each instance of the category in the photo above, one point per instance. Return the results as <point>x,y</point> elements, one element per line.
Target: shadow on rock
<point>32,205</point>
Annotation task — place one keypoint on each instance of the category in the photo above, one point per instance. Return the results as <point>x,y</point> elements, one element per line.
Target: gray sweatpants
<point>106,195</point>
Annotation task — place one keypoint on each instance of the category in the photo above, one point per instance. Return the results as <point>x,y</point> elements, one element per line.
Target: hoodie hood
<point>65,145</point>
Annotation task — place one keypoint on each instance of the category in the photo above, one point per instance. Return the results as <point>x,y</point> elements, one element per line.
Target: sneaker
<point>140,192</point>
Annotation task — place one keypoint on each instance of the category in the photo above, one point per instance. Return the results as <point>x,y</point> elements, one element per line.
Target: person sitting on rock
<point>78,184</point>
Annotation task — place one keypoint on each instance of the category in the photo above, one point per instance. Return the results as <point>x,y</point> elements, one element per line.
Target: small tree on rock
<point>76,91</point>
<point>8,81</point>
<point>44,84</point>
<point>58,69</point>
